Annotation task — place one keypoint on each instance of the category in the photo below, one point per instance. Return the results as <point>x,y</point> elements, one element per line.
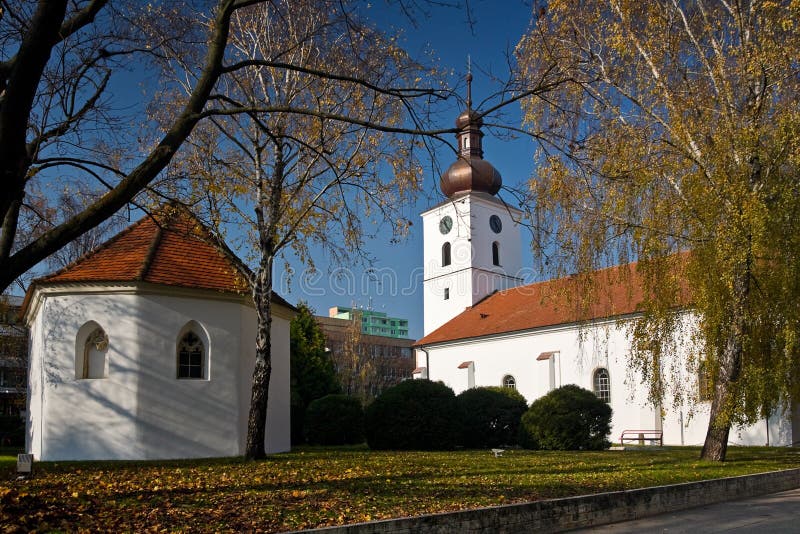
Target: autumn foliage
<point>321,487</point>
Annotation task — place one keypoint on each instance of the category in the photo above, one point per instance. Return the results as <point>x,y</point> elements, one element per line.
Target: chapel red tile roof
<point>171,247</point>
<point>617,291</point>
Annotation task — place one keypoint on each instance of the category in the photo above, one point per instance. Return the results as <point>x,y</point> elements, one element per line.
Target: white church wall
<point>84,419</point>
<point>33,429</point>
<point>142,410</point>
<point>508,238</point>
<point>578,355</point>
<point>575,362</point>
<point>278,432</point>
<point>449,290</point>
<point>695,425</point>
<point>183,418</point>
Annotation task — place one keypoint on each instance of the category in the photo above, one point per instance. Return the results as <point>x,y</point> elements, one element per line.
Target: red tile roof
<point>171,248</point>
<point>616,291</point>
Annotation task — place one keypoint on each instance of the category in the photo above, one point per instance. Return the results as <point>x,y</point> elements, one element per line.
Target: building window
<point>602,385</point>
<point>509,382</point>
<point>705,390</point>
<point>496,253</point>
<point>191,356</point>
<point>446,254</point>
<point>447,293</point>
<point>91,351</point>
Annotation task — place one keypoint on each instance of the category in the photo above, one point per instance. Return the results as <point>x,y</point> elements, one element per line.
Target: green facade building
<point>373,323</point>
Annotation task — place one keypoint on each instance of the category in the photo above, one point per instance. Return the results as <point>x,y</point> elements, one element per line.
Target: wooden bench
<point>653,436</point>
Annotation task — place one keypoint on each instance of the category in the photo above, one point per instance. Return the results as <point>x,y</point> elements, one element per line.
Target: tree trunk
<point>723,403</point>
<point>257,421</point>
<point>267,213</point>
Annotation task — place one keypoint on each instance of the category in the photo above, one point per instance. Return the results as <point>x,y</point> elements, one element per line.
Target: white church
<point>484,328</point>
<point>145,349</point>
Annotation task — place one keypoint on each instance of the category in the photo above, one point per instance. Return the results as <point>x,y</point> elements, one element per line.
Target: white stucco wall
<point>471,275</point>
<point>278,433</point>
<point>578,356</point>
<point>142,410</point>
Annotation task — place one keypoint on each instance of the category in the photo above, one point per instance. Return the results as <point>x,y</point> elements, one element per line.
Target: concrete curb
<point>555,515</point>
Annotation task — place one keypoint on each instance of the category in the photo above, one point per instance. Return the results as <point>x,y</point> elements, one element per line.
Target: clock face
<point>495,223</point>
<point>446,224</point>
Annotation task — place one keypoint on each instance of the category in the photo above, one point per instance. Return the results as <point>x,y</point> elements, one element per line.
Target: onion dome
<point>470,172</point>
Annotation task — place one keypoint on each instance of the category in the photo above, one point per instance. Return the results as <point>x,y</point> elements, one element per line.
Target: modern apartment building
<point>373,323</point>
<point>366,364</point>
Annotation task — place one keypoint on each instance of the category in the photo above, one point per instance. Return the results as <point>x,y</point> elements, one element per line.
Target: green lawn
<point>316,486</point>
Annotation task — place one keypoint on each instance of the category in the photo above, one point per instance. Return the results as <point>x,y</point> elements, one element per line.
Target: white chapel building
<point>145,349</point>
<point>484,328</point>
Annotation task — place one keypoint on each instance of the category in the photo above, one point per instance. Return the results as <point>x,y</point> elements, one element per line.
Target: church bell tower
<point>472,239</point>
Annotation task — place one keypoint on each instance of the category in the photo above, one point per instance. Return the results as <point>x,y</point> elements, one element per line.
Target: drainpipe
<point>427,362</point>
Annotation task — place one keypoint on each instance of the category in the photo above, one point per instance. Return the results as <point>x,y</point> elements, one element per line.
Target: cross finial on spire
<point>469,82</point>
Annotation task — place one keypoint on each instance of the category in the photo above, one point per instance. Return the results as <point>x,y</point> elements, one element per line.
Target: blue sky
<point>497,27</point>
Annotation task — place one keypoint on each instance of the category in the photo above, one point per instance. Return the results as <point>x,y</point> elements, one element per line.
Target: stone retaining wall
<point>556,515</point>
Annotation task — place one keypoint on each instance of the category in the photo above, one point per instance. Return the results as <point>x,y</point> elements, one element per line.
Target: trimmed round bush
<point>12,431</point>
<point>490,416</point>
<point>413,415</point>
<point>334,420</point>
<point>567,418</point>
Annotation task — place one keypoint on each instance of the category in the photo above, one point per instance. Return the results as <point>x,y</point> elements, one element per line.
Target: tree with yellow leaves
<point>676,143</point>
<point>301,161</point>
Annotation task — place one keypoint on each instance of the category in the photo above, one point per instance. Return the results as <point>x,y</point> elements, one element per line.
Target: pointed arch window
<point>602,385</point>
<point>446,254</point>
<point>91,351</point>
<point>496,253</point>
<point>191,356</point>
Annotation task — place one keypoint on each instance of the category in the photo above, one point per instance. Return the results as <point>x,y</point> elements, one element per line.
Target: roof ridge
<point>151,253</point>
<point>206,235</point>
<point>568,277</point>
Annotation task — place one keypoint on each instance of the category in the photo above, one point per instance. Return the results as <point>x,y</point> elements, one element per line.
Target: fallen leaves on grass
<point>320,487</point>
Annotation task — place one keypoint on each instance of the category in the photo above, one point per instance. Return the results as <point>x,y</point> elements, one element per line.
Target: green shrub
<point>334,420</point>
<point>567,418</point>
<point>490,416</point>
<point>413,415</point>
<point>12,431</point>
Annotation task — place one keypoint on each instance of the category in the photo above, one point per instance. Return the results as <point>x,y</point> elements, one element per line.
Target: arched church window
<point>191,356</point>
<point>602,385</point>
<point>509,382</point>
<point>496,253</point>
<point>446,254</point>
<point>92,363</point>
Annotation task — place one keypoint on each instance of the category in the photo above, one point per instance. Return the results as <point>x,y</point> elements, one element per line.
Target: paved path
<point>778,513</point>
